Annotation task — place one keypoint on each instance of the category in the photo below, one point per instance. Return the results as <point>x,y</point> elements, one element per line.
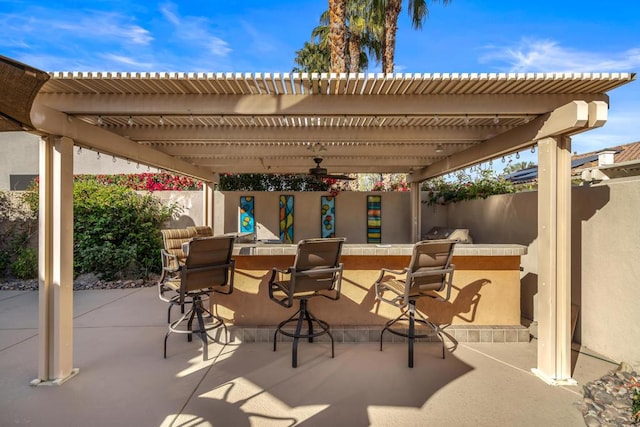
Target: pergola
<point>203,124</point>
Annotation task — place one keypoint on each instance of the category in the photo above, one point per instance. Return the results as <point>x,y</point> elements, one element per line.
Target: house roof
<point>200,124</point>
<point>625,155</point>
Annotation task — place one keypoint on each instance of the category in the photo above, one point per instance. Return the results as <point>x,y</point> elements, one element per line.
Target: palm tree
<point>363,30</point>
<point>418,10</point>
<point>337,35</point>
<point>312,58</point>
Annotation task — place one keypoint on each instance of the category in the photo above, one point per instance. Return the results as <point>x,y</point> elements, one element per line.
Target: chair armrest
<point>168,260</point>
<point>275,271</point>
<point>385,271</point>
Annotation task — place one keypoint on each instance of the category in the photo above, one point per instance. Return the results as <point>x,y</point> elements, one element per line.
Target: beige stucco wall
<point>19,156</point>
<point>190,207</point>
<point>605,252</point>
<point>611,272</point>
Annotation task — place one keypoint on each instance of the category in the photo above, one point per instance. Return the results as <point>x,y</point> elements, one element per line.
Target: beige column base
<point>58,381</point>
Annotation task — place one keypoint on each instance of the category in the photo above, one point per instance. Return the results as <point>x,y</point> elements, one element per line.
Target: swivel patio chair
<point>430,270</point>
<point>173,258</point>
<point>317,271</point>
<point>209,268</point>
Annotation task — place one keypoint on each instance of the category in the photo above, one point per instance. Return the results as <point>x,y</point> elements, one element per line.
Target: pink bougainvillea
<point>146,181</point>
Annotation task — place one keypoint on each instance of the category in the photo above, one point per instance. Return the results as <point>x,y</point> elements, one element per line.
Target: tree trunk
<point>391,13</point>
<point>337,35</point>
<point>354,53</point>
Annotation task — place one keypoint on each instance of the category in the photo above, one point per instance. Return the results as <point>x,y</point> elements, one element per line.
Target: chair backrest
<point>201,230</point>
<point>174,238</point>
<point>317,254</point>
<point>208,263</point>
<point>430,255</point>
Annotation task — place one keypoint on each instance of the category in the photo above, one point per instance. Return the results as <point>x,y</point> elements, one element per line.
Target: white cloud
<point>195,31</point>
<point>532,55</point>
<point>104,26</point>
<point>125,60</point>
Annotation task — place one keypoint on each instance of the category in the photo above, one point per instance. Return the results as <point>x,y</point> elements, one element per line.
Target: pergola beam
<point>326,134</point>
<point>566,120</point>
<point>306,105</point>
<point>53,122</point>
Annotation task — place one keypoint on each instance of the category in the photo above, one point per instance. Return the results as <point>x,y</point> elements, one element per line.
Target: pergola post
<point>416,212</point>
<point>55,264</point>
<point>554,260</point>
<point>207,205</point>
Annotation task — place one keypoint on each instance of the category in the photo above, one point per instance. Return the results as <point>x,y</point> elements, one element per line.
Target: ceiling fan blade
<point>336,176</point>
<point>320,172</point>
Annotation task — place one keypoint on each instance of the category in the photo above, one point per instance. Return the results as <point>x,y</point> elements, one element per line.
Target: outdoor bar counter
<point>485,295</point>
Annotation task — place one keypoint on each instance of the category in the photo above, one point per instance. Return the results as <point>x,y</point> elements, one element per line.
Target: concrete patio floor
<point>124,380</point>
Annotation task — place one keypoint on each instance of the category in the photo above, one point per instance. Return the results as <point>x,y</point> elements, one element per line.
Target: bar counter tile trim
<point>371,334</point>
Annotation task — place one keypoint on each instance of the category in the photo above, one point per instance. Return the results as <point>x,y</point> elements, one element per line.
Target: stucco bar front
<point>484,303</point>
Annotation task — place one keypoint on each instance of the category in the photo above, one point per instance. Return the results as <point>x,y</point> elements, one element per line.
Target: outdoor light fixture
<point>436,118</point>
<point>526,119</point>
<point>130,121</point>
<point>466,119</point>
<point>99,120</point>
<point>439,148</point>
<point>252,121</point>
<point>496,120</point>
<point>405,121</point>
<point>221,121</point>
<point>161,121</point>
<point>79,150</point>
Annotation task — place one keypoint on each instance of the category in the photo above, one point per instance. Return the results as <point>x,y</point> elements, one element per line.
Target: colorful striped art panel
<point>286,218</point>
<point>328,216</point>
<point>374,219</point>
<point>247,214</point>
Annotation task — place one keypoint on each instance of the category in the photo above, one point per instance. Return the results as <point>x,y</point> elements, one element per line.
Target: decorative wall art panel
<point>247,214</point>
<point>286,219</point>
<point>328,216</point>
<point>374,219</point>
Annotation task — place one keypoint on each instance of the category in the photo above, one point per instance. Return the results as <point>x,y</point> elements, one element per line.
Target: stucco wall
<point>611,273</point>
<point>605,252</point>
<point>19,153</point>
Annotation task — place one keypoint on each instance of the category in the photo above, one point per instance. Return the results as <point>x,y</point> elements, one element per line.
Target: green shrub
<point>5,261</point>
<point>271,182</point>
<point>26,264</point>
<point>116,231</point>
<point>465,187</point>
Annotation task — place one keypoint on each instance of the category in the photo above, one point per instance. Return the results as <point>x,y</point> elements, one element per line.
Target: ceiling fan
<point>320,172</point>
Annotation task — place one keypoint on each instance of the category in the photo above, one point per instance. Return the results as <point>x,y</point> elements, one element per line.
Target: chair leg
<point>197,311</point>
<point>412,329</point>
<point>303,315</point>
<point>203,333</point>
<point>300,316</point>
<point>409,315</point>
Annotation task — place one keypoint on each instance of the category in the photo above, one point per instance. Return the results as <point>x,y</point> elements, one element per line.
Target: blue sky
<point>257,36</point>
